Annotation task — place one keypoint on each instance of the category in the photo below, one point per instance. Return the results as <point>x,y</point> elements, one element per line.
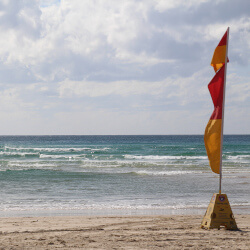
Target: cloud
<point>130,60</point>
<point>96,39</point>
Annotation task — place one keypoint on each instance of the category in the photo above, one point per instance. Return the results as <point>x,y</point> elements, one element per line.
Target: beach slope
<point>120,232</point>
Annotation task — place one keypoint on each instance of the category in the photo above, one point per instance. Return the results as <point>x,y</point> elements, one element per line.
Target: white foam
<point>164,157</point>
<point>162,173</point>
<point>74,206</point>
<point>23,154</point>
<point>44,156</point>
<point>56,149</point>
<point>236,157</point>
<point>30,164</point>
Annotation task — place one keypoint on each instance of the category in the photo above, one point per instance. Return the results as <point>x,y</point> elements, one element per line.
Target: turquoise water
<point>99,175</point>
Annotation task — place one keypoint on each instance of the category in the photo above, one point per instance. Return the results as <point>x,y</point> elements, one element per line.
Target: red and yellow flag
<point>212,136</point>
<point>214,130</point>
<point>220,51</point>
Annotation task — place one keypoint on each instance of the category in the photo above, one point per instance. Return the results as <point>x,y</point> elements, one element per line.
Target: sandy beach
<point>120,232</point>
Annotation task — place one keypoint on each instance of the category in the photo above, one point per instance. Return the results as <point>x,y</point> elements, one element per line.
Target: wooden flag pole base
<point>219,214</point>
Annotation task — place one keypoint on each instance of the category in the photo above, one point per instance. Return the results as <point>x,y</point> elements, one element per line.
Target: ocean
<point>118,175</point>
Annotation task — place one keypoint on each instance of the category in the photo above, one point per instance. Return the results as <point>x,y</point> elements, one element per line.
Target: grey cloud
<point>12,18</point>
<point>16,73</point>
<point>166,47</point>
<point>212,12</point>
<point>209,12</point>
<point>102,64</point>
<point>174,40</point>
<point>185,21</point>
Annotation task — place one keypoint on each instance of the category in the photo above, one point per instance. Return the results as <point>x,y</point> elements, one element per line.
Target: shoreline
<point>120,232</point>
<point>199,211</point>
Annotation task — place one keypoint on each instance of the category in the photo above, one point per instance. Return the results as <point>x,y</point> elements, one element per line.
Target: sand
<point>120,232</point>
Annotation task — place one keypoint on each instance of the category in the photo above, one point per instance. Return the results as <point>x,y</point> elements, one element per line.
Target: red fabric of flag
<point>216,91</point>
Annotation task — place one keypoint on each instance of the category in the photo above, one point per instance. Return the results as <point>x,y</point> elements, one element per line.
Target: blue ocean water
<point>100,175</point>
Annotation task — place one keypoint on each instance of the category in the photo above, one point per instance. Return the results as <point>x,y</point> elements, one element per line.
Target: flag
<point>213,133</point>
<point>220,51</point>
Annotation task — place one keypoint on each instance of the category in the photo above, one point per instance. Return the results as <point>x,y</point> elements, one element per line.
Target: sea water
<point>118,175</point>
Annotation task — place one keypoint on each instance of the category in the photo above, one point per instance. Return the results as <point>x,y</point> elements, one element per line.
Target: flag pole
<point>223,109</point>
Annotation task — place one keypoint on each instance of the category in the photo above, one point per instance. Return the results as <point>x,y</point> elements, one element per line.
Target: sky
<point>95,67</point>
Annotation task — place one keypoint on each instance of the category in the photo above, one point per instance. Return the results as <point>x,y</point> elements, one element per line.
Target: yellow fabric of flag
<point>219,55</point>
<point>212,140</point>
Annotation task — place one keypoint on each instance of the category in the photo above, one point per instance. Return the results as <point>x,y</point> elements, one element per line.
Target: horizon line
<point>113,134</point>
